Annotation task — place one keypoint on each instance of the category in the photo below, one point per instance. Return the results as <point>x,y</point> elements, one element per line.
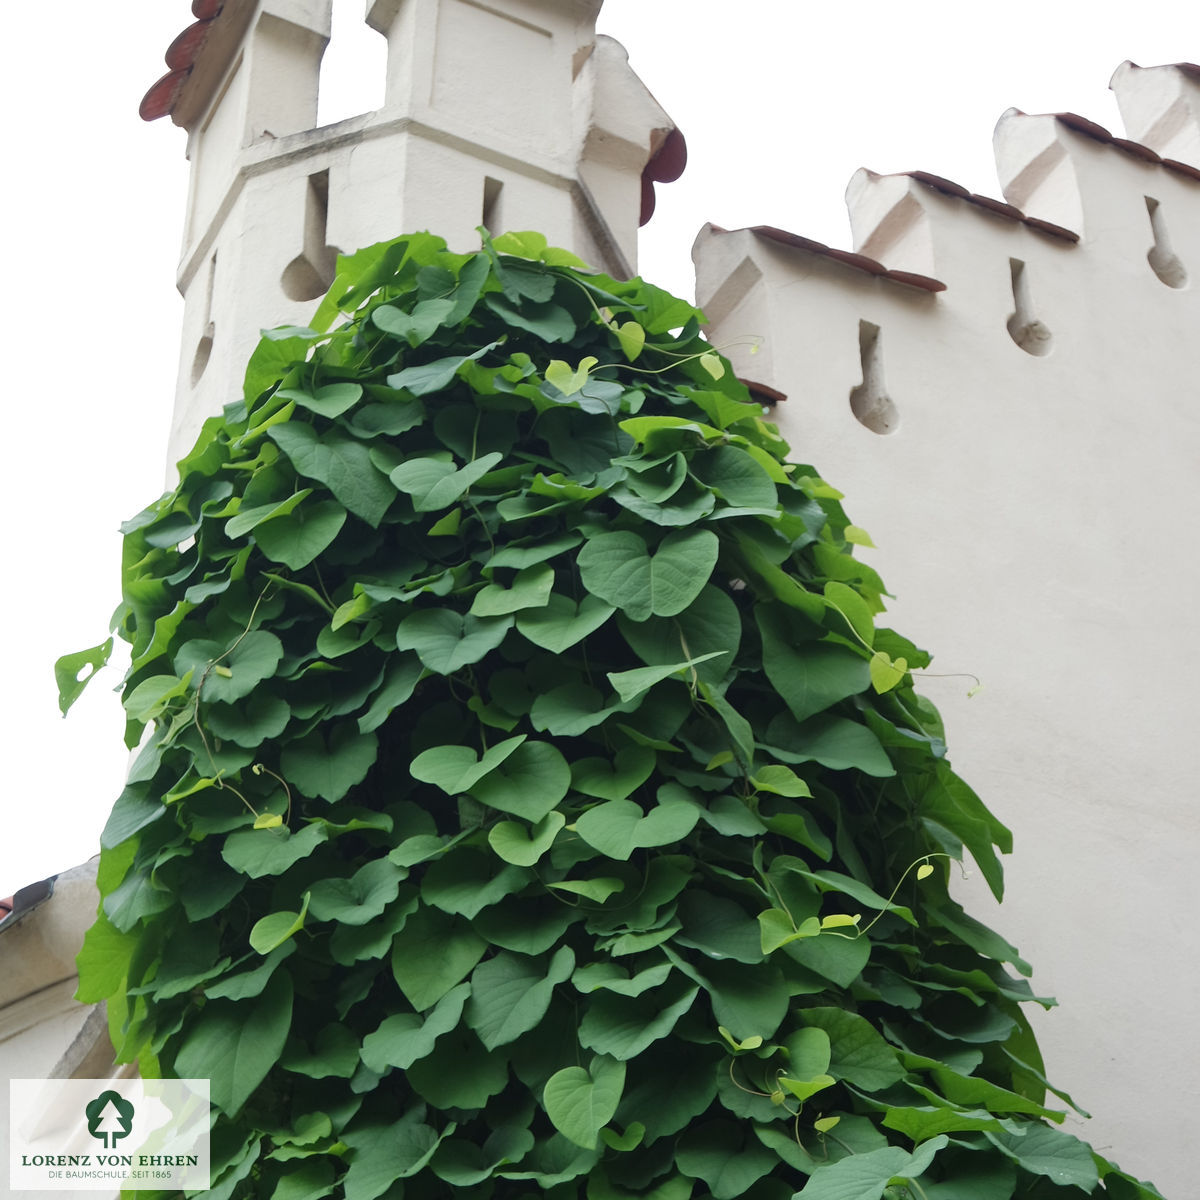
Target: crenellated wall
<point>1009,395</point>
<point>508,113</point>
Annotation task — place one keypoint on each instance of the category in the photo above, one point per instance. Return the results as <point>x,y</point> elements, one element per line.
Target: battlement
<point>1008,392</point>
<point>456,144</point>
<point>1088,254</point>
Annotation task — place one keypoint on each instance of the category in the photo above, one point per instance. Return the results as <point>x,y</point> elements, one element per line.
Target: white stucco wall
<point>510,111</point>
<point>1035,516</point>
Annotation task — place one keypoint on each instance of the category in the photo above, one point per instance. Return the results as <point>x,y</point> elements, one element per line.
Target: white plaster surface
<point>1036,517</point>
<point>513,99</point>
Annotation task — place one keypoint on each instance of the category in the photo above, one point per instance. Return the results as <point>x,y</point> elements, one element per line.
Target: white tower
<point>511,114</point>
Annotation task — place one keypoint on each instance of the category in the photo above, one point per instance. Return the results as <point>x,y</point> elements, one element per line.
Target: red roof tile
<point>999,207</point>
<point>860,262</point>
<point>665,166</point>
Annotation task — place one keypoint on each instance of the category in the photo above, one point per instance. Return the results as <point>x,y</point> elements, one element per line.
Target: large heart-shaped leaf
<point>619,568</point>
<point>619,827</point>
<point>581,1102</point>
<point>446,641</point>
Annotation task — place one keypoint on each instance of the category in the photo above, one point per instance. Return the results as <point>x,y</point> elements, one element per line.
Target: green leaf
<point>530,589</point>
<point>73,672</point>
<point>330,401</point>
<point>272,931</point>
<point>632,338</point>
<point>381,1153</point>
<point>624,1026</point>
<point>560,623</point>
<point>859,1053</point>
<point>362,897</point>
<point>510,994</point>
<point>298,537</point>
<point>569,381</point>
<point>447,641</point>
<point>340,462</point>
<point>436,952</point>
<point>523,847</point>
<point>737,477</point>
<point>886,672</point>
<point>810,676</point>
<point>835,742</point>
<point>429,377</point>
<point>247,661</point>
<point>710,626</point>
<point>327,768</point>
<point>527,783</point>
<point>467,881</point>
<point>619,827</point>
<point>235,1045</point>
<point>853,609</point>
<point>619,569</point>
<point>417,326</point>
<point>405,1038</point>
<point>334,1054</point>
<point>629,769</point>
<point>725,1156</point>
<point>631,684</point>
<point>271,852</point>
<point>1043,1150</point>
<point>435,484</point>
<point>597,890</point>
<point>780,780</point>
<point>456,769</point>
<point>581,1102</point>
<point>864,1176</point>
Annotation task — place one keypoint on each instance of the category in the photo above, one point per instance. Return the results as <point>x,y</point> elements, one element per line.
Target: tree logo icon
<point>109,1117</point>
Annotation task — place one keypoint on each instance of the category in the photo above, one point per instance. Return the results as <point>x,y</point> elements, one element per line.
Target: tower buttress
<point>510,114</point>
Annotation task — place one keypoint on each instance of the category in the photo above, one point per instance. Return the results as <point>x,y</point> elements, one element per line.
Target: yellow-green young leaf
<point>448,525</point>
<point>886,672</point>
<point>268,821</point>
<point>858,536</point>
<point>712,364</point>
<point>924,871</point>
<point>631,1139</point>
<point>719,760</point>
<point>751,1043</point>
<point>566,380</point>
<point>803,1088</point>
<point>840,920</point>
<point>274,930</point>
<point>781,780</point>
<point>351,610</point>
<point>825,1124</point>
<point>632,338</point>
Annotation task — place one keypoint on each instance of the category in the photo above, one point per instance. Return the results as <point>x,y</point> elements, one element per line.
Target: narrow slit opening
<point>1024,326</point>
<point>311,272</point>
<point>869,402</point>
<point>490,214</point>
<point>1163,260</point>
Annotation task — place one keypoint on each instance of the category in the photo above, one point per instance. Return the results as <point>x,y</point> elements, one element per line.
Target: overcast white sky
<point>780,101</point>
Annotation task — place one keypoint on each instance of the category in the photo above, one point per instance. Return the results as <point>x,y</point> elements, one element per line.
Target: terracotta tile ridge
<point>859,262</point>
<point>665,165</point>
<point>999,207</point>
<point>1133,149</point>
<point>180,57</point>
<point>763,392</point>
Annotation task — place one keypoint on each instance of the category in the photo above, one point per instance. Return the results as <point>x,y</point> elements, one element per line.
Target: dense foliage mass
<point>527,802</point>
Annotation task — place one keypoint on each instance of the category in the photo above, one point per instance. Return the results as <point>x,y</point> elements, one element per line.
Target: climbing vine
<point>526,801</point>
